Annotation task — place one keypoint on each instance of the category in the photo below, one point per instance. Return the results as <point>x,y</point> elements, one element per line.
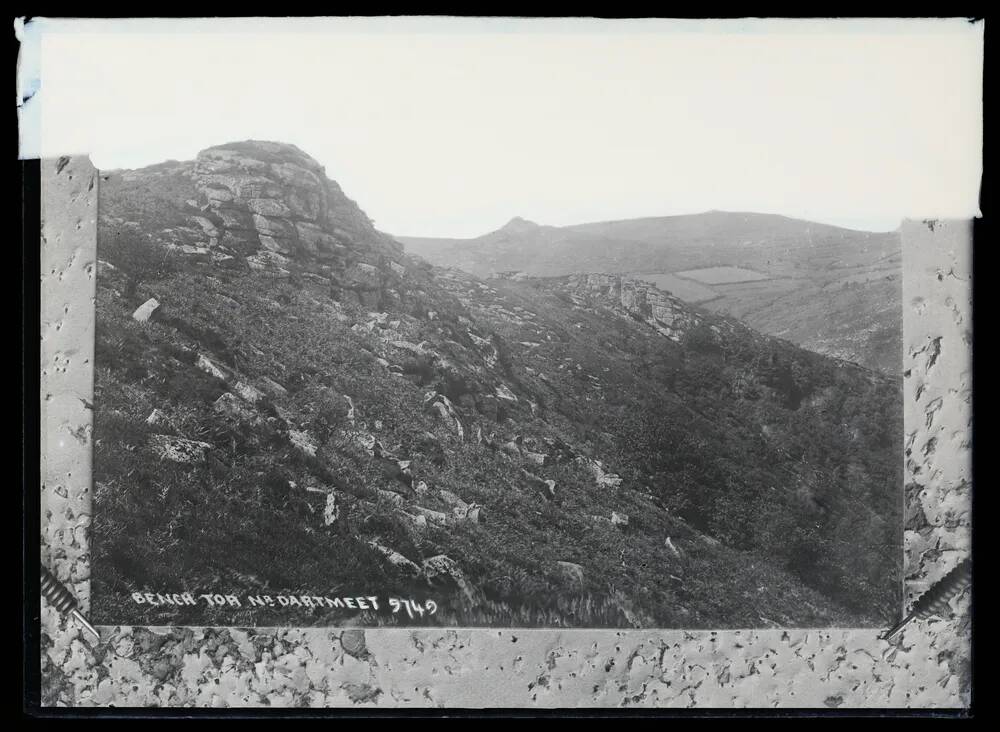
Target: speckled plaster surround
<point>927,666</point>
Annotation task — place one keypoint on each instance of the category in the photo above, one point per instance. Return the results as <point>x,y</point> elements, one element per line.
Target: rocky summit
<point>266,203</point>
<point>287,403</point>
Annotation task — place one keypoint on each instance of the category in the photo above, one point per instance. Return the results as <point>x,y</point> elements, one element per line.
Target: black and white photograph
<point>501,323</point>
<point>680,421</point>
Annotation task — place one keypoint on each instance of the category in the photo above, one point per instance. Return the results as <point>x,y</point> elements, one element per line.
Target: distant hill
<point>832,290</point>
<point>287,403</point>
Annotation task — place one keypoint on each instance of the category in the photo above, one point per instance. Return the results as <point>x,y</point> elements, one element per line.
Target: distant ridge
<point>828,288</point>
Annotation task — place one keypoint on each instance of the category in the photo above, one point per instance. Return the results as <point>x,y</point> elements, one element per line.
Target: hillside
<point>831,290</point>
<point>304,408</point>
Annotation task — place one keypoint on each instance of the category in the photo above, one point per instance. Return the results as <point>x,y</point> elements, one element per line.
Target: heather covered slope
<point>309,410</point>
<point>832,290</point>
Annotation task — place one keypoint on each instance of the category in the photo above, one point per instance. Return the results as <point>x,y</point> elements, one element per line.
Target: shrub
<point>139,258</point>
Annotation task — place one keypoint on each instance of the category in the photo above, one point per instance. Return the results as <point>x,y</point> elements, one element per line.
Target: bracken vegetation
<point>523,452</point>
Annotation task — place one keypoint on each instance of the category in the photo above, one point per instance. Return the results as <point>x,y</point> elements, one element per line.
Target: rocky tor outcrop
<point>278,193</point>
<point>668,314</point>
<point>269,205</point>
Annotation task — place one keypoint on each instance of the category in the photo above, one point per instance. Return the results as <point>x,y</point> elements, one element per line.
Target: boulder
<point>318,279</point>
<point>512,448</point>
<point>442,410</point>
<point>431,515</point>
<point>302,441</point>
<point>400,470</point>
<point>377,319</point>
<point>480,341</point>
<point>331,511</point>
<point>179,449</point>
<point>364,440</point>
<point>504,393</point>
<point>446,411</point>
<point>601,477</point>
<point>538,458</point>
<point>145,311</point>
<point>417,522</point>
<point>217,196</point>
<point>544,486</point>
<point>451,499</point>
<point>467,512</point>
<point>273,227</point>
<point>396,559</point>
<point>559,450</point>
<point>390,497</point>
<point>316,241</point>
<point>365,275</point>
<point>619,519</point>
<point>272,387</point>
<point>392,466</point>
<point>248,392</point>
<point>202,253</point>
<point>416,350</point>
<point>235,220</point>
<point>444,567</point>
<point>231,406</point>
<point>572,572</point>
<point>210,367</point>
<point>270,244</point>
<point>207,226</point>
<point>268,207</point>
<point>156,418</point>
<point>269,261</point>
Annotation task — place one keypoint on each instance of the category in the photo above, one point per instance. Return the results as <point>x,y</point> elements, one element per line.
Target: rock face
<point>640,300</point>
<point>269,205</point>
<point>281,196</point>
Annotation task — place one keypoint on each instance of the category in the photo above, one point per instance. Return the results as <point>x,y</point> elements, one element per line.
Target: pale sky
<point>450,127</point>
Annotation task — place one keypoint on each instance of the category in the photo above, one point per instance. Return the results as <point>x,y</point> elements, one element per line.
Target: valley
<point>834,291</point>
<point>290,402</point>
